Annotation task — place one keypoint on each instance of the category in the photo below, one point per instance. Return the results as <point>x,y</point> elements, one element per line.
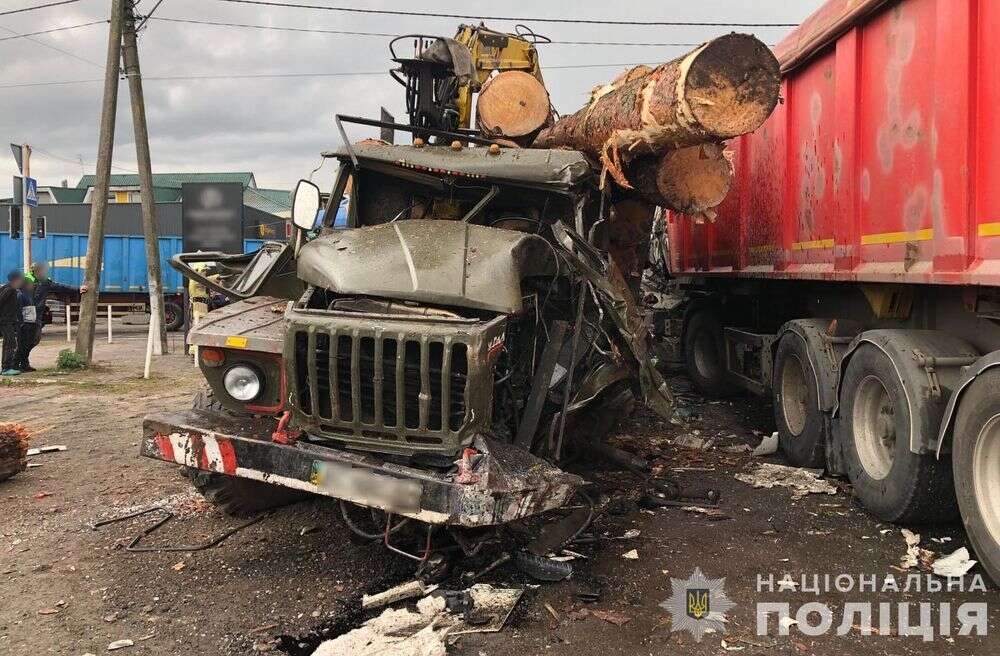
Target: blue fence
<point>124,259</point>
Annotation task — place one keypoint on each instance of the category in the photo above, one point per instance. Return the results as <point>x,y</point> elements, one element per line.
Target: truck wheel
<point>797,416</point>
<point>895,484</point>
<point>235,496</point>
<point>976,460</point>
<point>173,316</point>
<point>705,354</point>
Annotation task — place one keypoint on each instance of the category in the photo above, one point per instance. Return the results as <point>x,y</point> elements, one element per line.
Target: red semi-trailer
<point>853,273</point>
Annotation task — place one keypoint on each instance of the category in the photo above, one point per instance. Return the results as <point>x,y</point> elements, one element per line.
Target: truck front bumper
<point>504,484</point>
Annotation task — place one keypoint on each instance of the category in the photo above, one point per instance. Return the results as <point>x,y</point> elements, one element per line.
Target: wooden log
<point>689,180</point>
<point>13,450</point>
<point>513,104</point>
<point>722,89</point>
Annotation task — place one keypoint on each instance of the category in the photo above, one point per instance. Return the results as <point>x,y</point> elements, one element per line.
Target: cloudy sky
<point>277,126</point>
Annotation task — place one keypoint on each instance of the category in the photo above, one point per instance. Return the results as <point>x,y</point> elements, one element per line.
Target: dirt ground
<point>281,583</point>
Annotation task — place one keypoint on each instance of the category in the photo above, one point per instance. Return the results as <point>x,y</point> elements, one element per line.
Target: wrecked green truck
<point>439,359</point>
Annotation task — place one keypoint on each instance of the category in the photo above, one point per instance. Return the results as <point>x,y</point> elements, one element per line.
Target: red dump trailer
<point>853,274</point>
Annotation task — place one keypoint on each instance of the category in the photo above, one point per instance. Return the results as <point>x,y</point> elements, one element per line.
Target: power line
<point>255,76</point>
<point>421,14</point>
<point>271,27</point>
<point>45,6</point>
<point>54,29</point>
<point>56,48</point>
<point>78,162</point>
<point>193,21</point>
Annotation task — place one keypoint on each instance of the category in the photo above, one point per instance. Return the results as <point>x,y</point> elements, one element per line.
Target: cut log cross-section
<point>513,104</point>
<point>690,180</point>
<point>720,90</point>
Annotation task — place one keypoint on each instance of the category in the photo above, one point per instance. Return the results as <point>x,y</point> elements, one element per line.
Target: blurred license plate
<point>366,487</point>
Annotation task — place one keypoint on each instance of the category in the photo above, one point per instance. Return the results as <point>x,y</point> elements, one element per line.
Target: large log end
<point>688,180</point>
<point>512,104</point>
<point>732,85</point>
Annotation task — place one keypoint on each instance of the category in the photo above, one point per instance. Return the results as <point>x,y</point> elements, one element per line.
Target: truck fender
<point>968,374</point>
<point>824,356</point>
<point>927,383</point>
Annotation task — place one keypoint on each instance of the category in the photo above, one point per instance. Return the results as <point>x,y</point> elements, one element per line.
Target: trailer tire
<point>893,483</point>
<point>975,453</point>
<point>173,316</point>
<point>705,354</point>
<point>237,497</point>
<point>800,422</point>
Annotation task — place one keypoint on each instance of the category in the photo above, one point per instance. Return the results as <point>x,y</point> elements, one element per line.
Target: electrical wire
<point>255,76</point>
<point>36,7</point>
<point>56,48</point>
<point>277,28</point>
<point>78,162</point>
<point>422,14</point>
<point>54,29</point>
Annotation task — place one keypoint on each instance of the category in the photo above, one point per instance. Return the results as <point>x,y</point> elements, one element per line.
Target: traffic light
<point>40,224</point>
<point>15,221</point>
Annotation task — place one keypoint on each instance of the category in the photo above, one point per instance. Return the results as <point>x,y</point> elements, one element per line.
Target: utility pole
<point>26,230</point>
<point>130,55</point>
<point>99,199</point>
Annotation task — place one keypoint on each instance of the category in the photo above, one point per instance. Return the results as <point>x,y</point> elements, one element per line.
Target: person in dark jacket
<point>30,318</point>
<point>10,322</point>
<point>39,277</point>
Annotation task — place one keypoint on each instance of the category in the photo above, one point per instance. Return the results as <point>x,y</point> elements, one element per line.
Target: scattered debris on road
<point>801,481</point>
<point>955,565</point>
<point>425,631</point>
<point>399,593</point>
<point>767,446</point>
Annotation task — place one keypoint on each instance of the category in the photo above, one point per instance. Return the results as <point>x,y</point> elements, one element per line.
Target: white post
<point>153,330</point>
<point>109,324</point>
<point>69,330</point>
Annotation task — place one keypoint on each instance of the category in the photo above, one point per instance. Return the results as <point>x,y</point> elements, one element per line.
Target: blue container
<point>124,260</point>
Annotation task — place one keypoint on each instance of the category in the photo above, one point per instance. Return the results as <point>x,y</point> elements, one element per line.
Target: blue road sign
<point>31,192</point>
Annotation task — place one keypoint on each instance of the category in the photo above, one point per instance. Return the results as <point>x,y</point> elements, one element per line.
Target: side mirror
<point>305,205</point>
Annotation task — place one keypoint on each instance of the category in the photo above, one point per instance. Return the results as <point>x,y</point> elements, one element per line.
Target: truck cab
<point>437,358</point>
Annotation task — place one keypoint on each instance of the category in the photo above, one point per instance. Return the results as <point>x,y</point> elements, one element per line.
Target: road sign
<point>18,190</point>
<point>18,151</point>
<point>31,192</point>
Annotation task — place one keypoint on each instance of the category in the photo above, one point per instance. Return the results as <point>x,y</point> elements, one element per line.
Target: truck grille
<point>407,390</point>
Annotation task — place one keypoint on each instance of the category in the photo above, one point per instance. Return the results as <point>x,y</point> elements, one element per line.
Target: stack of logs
<point>658,133</point>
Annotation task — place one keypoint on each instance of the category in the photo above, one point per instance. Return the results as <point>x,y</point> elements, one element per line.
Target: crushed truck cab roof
<point>558,169</point>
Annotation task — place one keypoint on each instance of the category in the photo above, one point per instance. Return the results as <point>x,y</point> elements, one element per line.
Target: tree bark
<point>720,90</point>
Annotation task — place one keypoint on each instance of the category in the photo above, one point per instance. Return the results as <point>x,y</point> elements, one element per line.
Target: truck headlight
<point>243,383</point>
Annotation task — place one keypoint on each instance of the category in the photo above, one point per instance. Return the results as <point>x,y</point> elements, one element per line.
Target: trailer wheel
<point>895,484</point>
<point>173,316</point>
<point>976,460</point>
<point>705,354</point>
<point>238,497</point>
<point>797,416</point>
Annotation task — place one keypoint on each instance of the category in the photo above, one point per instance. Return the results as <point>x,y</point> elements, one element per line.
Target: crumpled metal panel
<point>438,262</point>
<point>256,324</point>
<point>562,169</point>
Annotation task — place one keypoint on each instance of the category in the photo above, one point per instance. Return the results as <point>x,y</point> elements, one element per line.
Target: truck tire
<point>976,461</point>
<point>237,497</point>
<point>892,482</point>
<point>173,316</point>
<point>800,422</point>
<point>705,354</point>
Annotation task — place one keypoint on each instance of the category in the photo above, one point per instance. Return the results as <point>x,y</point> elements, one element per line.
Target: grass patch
<point>68,360</point>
